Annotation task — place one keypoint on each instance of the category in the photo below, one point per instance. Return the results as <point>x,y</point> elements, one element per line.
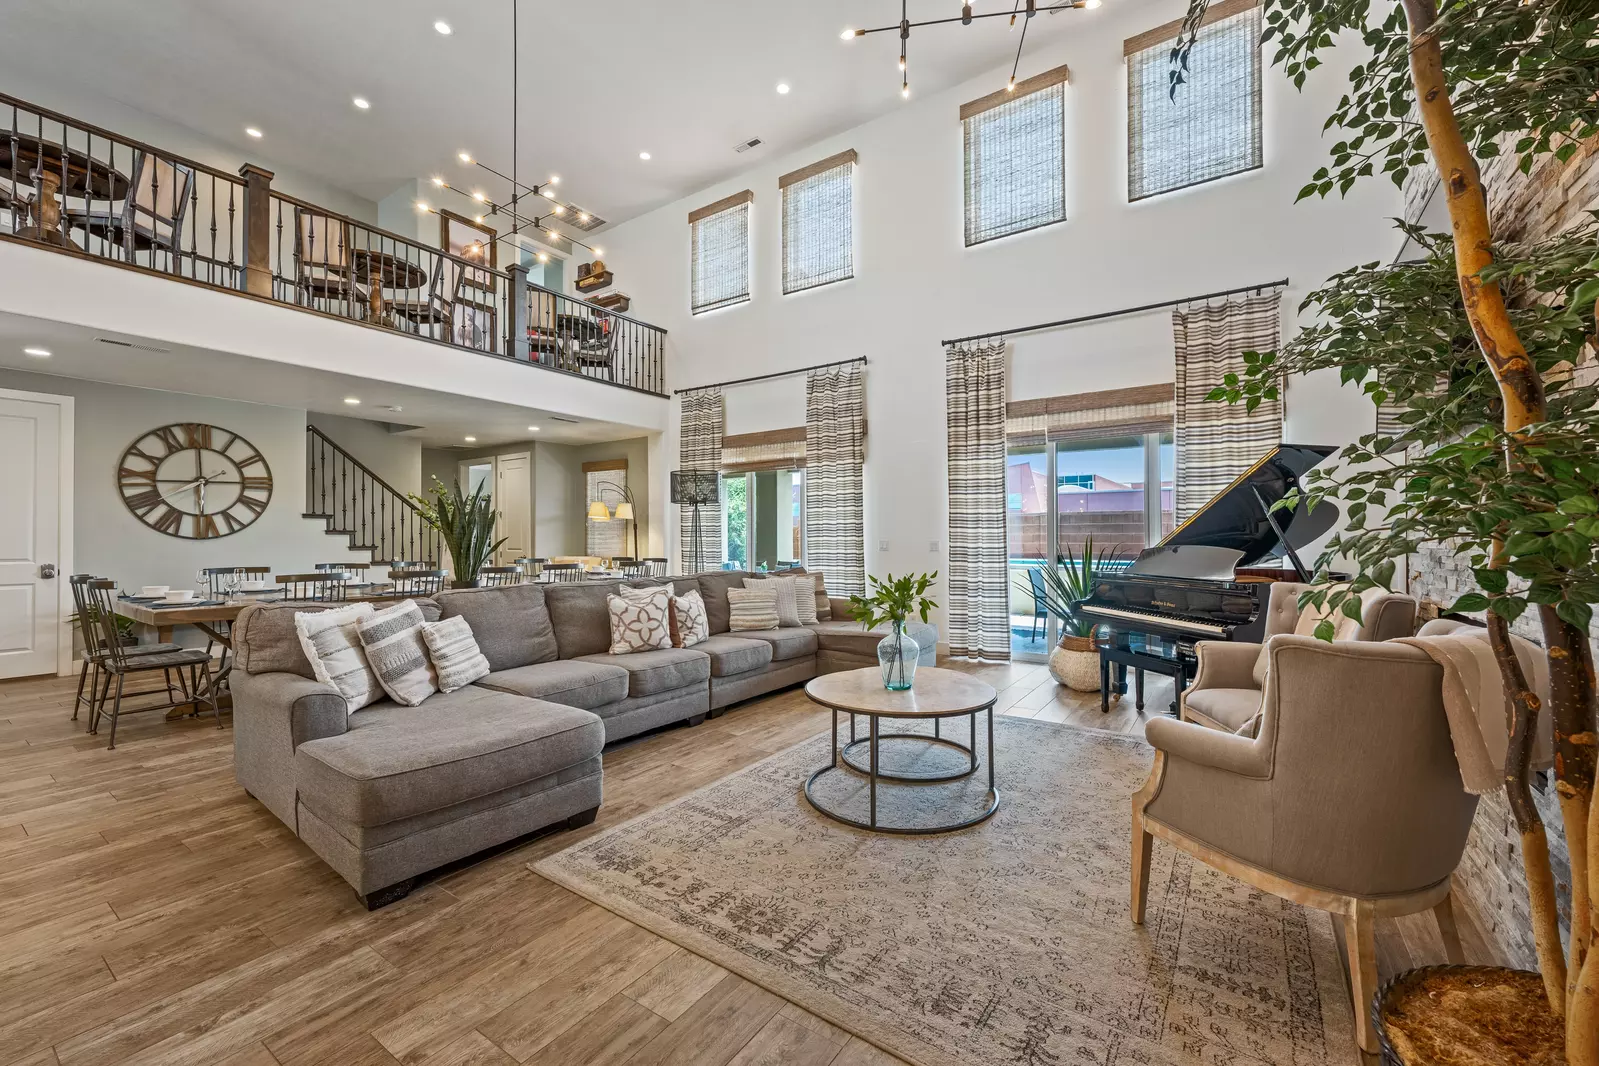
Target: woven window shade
<point>773,449</point>
<point>818,223</point>
<point>1091,415</point>
<point>1016,158</point>
<point>1213,127</point>
<point>719,238</point>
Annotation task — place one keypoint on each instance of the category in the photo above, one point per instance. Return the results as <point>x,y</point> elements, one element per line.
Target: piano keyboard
<point>1156,619</point>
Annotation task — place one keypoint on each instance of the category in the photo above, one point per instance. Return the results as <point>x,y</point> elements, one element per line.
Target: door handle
<point>47,571</point>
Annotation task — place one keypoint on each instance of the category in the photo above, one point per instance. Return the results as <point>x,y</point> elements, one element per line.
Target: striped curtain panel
<point>977,607</point>
<point>1217,441</point>
<point>835,452</point>
<point>699,443</point>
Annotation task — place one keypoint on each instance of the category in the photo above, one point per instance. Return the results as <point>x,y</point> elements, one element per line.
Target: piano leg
<point>1104,685</point>
<point>1138,689</point>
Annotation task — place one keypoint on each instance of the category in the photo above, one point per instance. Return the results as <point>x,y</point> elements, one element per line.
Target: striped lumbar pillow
<point>804,598</point>
<point>783,588</point>
<point>752,608</point>
<point>393,641</point>
<point>330,641</point>
<point>454,653</point>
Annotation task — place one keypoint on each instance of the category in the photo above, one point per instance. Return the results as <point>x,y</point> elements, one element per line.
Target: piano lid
<point>1233,518</point>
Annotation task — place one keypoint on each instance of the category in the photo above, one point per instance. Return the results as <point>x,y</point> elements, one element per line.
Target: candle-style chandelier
<point>1020,9</point>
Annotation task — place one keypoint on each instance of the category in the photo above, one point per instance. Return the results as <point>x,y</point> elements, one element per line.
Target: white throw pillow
<point>329,639</point>
<point>752,608</point>
<point>454,653</point>
<point>690,626</point>
<point>393,641</point>
<point>639,619</point>
<point>804,598</point>
<point>783,589</point>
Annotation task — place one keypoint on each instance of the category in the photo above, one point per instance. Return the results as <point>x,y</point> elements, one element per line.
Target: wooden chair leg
<point>1143,848</point>
<point>1360,938</point>
<point>1443,913</point>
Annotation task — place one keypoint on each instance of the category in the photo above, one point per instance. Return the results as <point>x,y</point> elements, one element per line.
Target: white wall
<point>916,283</point>
<point>395,458</point>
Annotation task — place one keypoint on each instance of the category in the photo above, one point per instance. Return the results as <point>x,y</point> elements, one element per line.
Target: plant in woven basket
<point>1061,589</point>
<point>1498,452</point>
<point>466,524</point>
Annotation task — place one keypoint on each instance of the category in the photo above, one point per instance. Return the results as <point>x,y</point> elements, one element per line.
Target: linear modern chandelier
<point>1022,9</point>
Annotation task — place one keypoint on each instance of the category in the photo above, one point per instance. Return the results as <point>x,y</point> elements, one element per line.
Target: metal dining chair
<point>150,218</point>
<point>657,566</point>
<point>416,582</point>
<point>323,265</point>
<point>1035,579</point>
<point>494,576</point>
<point>117,662</point>
<point>93,649</point>
<point>563,572</point>
<point>218,578</point>
<point>531,567</point>
<point>322,585</point>
<point>356,568</point>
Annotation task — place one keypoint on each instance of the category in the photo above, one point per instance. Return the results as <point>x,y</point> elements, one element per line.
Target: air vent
<point>579,218</point>
<point>563,418</point>
<point>753,142</point>
<point>130,344</point>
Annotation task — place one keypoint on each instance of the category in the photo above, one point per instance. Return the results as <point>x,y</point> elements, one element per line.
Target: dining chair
<point>563,571</point>
<point>323,264</point>
<point>150,218</point>
<point>353,569</point>
<point>405,564</point>
<point>416,582</point>
<point>118,662</point>
<point>658,566</point>
<point>1035,579</point>
<point>493,576</point>
<point>218,578</point>
<point>531,567</point>
<point>322,585</point>
<point>93,649</point>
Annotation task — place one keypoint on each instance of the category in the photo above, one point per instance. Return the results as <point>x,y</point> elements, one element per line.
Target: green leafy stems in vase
<point>466,525</point>
<point>892,601</point>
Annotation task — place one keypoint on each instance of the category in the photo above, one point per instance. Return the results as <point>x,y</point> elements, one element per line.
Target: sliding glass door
<point>1064,498</point>
<point>763,512</point>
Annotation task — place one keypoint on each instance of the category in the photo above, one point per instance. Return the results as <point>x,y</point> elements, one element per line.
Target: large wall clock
<point>194,481</point>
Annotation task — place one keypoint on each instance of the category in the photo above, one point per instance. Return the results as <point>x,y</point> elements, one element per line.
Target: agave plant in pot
<point>466,524</point>
<point>892,601</point>
<point>1059,589</point>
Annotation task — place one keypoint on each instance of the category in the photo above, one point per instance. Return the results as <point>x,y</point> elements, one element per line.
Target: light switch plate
<point>882,545</point>
<point>932,545</point>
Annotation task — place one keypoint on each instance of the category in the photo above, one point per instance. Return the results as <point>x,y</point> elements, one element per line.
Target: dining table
<point>56,171</point>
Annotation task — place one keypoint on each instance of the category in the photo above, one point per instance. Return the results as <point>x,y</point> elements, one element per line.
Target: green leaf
<point>1470,603</point>
<point>1494,581</point>
<point>1508,608</point>
<point>1324,630</point>
<point>1576,613</point>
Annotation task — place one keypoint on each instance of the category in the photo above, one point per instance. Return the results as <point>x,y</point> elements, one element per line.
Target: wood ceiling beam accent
<point>1161,34</point>
<point>726,202</point>
<point>821,166</point>
<point>1004,96</point>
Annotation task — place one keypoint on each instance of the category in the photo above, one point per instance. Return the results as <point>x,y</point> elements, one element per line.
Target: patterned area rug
<point>1009,943</point>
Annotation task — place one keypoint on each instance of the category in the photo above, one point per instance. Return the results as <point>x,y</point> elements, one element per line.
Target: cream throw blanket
<point>1474,699</point>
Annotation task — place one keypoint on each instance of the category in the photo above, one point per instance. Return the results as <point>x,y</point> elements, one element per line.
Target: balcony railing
<point>78,188</point>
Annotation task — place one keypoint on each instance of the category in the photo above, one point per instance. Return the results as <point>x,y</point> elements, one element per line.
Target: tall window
<point>1212,128</point>
<point>818,223</point>
<point>719,238</point>
<point>1016,158</point>
<point>764,513</point>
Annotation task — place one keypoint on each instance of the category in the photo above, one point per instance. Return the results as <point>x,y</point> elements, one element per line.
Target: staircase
<point>362,507</point>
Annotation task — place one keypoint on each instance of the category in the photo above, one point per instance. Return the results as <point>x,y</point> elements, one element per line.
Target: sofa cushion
<point>649,672</point>
<point>398,762</point>
<point>735,655</point>
<point>569,681</point>
<point>511,623</point>
<point>1222,708</point>
<point>842,634</point>
<point>713,588</point>
<point>582,621</point>
<point>788,642</point>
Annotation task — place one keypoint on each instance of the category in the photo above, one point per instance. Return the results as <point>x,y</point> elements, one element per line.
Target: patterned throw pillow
<point>639,620</point>
<point>454,652</point>
<point>393,641</point>
<point>783,589</point>
<point>805,599</point>
<point>689,624</point>
<point>330,641</point>
<point>752,608</point>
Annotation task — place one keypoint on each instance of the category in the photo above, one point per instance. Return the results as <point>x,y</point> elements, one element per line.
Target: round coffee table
<point>937,694</point>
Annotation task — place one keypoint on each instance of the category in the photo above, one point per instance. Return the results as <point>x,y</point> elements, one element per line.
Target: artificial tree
<point>1489,461</point>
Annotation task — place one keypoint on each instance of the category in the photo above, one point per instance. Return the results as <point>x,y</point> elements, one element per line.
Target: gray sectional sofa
<point>390,792</point>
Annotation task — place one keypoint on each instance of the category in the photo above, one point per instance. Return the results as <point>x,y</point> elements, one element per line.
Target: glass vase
<point>898,654</point>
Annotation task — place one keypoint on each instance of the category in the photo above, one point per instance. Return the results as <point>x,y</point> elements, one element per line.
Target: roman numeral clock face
<point>194,481</point>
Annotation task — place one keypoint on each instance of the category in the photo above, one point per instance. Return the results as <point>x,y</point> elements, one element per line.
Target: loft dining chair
<point>151,216</point>
<point>324,268</point>
<point>118,662</point>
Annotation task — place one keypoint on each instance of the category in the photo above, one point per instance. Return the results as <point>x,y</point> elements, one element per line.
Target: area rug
<point>1009,943</point>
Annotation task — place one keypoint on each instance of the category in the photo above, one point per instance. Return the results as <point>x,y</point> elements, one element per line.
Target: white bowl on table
<point>153,592</point>
<point>179,596</point>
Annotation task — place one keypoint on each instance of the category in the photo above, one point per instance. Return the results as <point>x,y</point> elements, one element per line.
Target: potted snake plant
<point>466,525</point>
<point>1075,660</point>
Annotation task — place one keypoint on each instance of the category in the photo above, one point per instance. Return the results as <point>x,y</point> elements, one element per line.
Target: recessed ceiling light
<point>782,87</point>
<point>353,401</point>
<point>443,27</point>
<point>37,352</point>
<point>465,157</point>
<point>470,440</point>
<point>252,131</point>
<point>362,102</point>
<point>532,429</point>
<point>644,155</point>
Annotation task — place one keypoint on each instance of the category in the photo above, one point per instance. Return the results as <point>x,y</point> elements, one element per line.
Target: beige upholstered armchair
<point>1226,691</point>
<point>1349,799</point>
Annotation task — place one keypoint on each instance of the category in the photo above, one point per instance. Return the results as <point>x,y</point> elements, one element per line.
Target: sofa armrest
<point>840,606</point>
<point>1225,664</point>
<point>311,709</point>
<point>1196,744</point>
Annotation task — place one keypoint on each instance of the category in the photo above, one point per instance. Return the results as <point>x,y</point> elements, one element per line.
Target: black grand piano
<point>1209,578</point>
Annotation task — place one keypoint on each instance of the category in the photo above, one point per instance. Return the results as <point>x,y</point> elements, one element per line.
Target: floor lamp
<point>624,509</point>
<point>696,489</point>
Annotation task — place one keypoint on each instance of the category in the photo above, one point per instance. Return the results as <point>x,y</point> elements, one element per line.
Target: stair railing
<point>355,502</point>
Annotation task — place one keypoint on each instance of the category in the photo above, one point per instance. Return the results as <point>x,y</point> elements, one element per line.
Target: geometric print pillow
<point>639,620</point>
<point>689,624</point>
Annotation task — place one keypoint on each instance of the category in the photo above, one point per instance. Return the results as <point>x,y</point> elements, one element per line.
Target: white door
<point>511,499</point>
<point>32,533</point>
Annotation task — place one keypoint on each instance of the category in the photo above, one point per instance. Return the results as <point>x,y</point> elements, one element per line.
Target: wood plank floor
<point>153,914</point>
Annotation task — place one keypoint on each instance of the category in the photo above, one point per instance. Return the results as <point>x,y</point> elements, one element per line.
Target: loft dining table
<point>384,270</point>
<point>56,171</point>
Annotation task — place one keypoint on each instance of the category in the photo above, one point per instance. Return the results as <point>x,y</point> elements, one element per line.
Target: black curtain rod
<point>766,377</point>
<point>1124,311</point>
